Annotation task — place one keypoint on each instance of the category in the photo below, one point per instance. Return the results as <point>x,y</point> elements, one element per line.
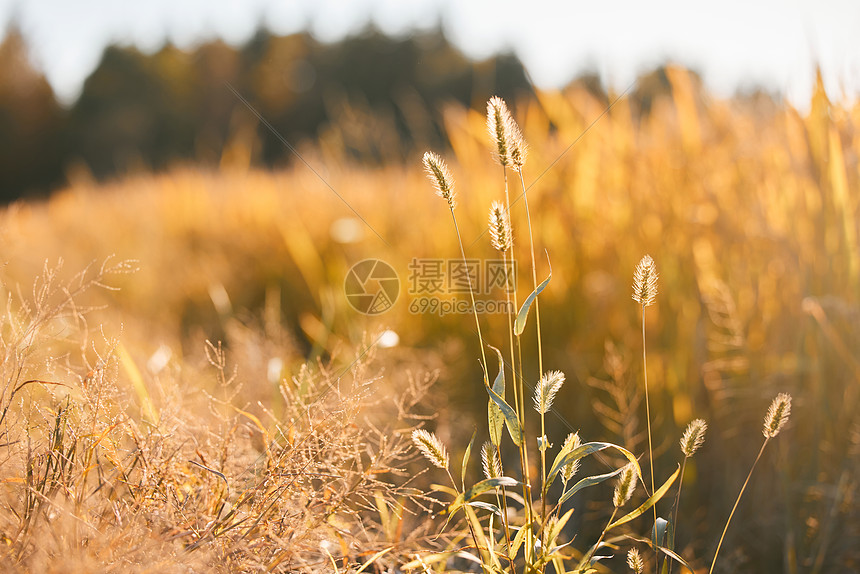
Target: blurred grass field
<point>750,208</point>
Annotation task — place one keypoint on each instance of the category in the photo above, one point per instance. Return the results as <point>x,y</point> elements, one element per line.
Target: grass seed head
<point>777,415</point>
<point>490,461</point>
<point>645,282</point>
<point>497,128</point>
<point>546,389</point>
<point>693,437</point>
<point>440,176</point>
<point>625,486</point>
<point>634,560</point>
<point>431,447</point>
<point>501,236</point>
<point>571,443</point>
<point>518,147</point>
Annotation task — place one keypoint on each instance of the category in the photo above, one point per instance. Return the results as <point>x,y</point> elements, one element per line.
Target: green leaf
<point>543,443</point>
<point>585,565</point>
<point>486,506</point>
<point>566,457</point>
<point>511,420</point>
<point>518,541</point>
<point>520,323</point>
<point>658,533</point>
<point>648,503</point>
<point>443,488</point>
<point>499,383</point>
<point>586,482</point>
<point>466,457</point>
<point>553,533</point>
<point>495,422</point>
<point>495,418</point>
<point>487,558</point>
<point>489,484</point>
<point>480,488</point>
<point>674,556</point>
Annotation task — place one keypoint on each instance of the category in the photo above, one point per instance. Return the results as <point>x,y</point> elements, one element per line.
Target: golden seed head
<point>571,443</point>
<point>645,282</point>
<point>440,176</point>
<point>518,147</point>
<point>546,389</point>
<point>497,128</point>
<point>693,437</point>
<point>509,147</point>
<point>431,447</point>
<point>625,486</point>
<point>501,236</point>
<point>634,560</point>
<point>777,415</point>
<point>490,461</point>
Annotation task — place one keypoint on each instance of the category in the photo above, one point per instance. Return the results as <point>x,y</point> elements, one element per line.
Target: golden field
<point>141,447</point>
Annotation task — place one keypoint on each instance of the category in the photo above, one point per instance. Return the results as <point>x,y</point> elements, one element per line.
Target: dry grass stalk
<point>776,417</point>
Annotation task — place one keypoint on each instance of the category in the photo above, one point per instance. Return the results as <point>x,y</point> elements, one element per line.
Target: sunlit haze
<point>735,45</point>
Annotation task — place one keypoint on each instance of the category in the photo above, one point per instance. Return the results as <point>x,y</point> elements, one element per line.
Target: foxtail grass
<point>431,447</point>
<point>499,123</point>
<point>442,180</point>
<point>644,292</point>
<point>634,561</point>
<point>691,441</point>
<point>776,417</point>
<point>510,151</point>
<point>530,541</point>
<point>624,487</point>
<point>502,240</point>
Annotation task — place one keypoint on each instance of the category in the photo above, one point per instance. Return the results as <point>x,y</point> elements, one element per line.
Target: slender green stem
<point>534,271</point>
<point>503,505</point>
<point>596,547</point>
<point>516,400</point>
<point>675,513</point>
<point>517,372</point>
<point>510,313</point>
<point>648,408</point>
<point>472,295</point>
<point>543,484</point>
<point>524,449</point>
<point>509,295</point>
<point>735,507</point>
<point>469,522</point>
<point>539,345</point>
<point>556,508</point>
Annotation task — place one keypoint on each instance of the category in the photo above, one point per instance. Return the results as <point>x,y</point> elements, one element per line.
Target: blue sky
<point>733,43</point>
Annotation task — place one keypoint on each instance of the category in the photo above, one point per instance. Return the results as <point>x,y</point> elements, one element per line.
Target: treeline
<point>147,111</point>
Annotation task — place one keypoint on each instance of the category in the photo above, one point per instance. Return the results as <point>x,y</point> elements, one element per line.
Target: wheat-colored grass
<point>747,205</point>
